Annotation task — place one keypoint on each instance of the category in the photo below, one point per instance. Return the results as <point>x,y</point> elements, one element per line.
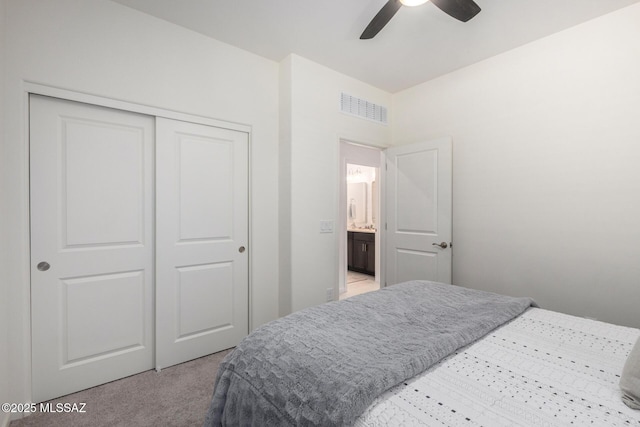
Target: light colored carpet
<point>177,396</point>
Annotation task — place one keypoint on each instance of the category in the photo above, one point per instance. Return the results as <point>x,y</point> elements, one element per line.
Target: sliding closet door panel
<point>91,245</point>
<point>201,232</point>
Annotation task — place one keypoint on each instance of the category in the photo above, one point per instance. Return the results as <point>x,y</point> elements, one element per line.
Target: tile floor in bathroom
<point>358,283</point>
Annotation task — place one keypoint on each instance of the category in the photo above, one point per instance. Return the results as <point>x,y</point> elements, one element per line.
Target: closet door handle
<point>241,249</point>
<point>443,245</point>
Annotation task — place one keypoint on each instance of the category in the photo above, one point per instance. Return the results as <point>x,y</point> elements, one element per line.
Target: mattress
<point>542,368</point>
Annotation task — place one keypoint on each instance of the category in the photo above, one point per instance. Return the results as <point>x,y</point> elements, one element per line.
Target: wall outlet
<point>326,226</point>
<point>329,294</point>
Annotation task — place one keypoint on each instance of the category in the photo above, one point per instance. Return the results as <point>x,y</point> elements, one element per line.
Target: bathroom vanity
<point>361,251</point>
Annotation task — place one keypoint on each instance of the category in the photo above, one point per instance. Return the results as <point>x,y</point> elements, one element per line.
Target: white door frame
<point>342,222</point>
<point>23,324</point>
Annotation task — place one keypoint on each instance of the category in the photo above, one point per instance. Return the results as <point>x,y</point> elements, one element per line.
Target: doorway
<point>359,218</point>
<point>413,231</point>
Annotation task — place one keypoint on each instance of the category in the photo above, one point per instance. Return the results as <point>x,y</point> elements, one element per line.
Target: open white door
<point>91,245</point>
<point>202,273</point>
<point>418,212</point>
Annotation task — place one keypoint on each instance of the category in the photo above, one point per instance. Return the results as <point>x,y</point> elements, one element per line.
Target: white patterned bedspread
<point>542,369</point>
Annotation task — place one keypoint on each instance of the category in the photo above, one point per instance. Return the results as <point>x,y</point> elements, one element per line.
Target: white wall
<point>546,167</point>
<point>312,174</point>
<point>361,155</point>
<point>284,182</point>
<point>4,282</point>
<point>106,49</point>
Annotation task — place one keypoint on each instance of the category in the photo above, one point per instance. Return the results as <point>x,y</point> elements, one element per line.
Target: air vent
<point>364,109</point>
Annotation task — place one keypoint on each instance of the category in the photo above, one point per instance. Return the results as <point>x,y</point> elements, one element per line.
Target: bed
<point>425,353</point>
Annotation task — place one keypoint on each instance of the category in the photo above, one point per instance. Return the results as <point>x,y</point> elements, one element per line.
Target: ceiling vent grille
<point>362,108</point>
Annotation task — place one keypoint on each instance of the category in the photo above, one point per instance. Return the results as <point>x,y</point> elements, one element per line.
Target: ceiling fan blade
<point>380,20</point>
<point>462,10</point>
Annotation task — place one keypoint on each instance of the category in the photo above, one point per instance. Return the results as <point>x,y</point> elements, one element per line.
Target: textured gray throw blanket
<point>323,366</point>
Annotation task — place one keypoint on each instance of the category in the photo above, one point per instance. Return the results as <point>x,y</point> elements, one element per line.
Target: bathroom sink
<point>362,229</point>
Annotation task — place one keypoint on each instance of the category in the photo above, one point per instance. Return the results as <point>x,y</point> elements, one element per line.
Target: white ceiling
<point>417,45</point>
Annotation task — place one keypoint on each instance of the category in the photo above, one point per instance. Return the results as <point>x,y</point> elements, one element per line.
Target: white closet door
<point>91,245</point>
<point>201,237</point>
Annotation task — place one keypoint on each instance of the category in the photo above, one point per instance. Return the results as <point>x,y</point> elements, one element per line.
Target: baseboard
<point>5,419</point>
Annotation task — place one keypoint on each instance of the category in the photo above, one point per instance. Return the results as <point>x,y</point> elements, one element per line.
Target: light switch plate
<point>326,226</point>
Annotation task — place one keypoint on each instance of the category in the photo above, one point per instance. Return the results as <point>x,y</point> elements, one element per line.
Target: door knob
<point>43,266</point>
<point>241,249</point>
<point>443,245</point>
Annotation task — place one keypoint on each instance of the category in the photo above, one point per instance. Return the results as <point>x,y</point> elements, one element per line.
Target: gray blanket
<point>323,366</point>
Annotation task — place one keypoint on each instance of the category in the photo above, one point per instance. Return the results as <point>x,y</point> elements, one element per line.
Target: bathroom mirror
<point>357,204</point>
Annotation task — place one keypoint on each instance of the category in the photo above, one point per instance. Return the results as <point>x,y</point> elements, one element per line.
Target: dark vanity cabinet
<point>361,252</point>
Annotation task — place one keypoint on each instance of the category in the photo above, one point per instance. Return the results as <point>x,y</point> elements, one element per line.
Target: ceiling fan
<point>462,10</point>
